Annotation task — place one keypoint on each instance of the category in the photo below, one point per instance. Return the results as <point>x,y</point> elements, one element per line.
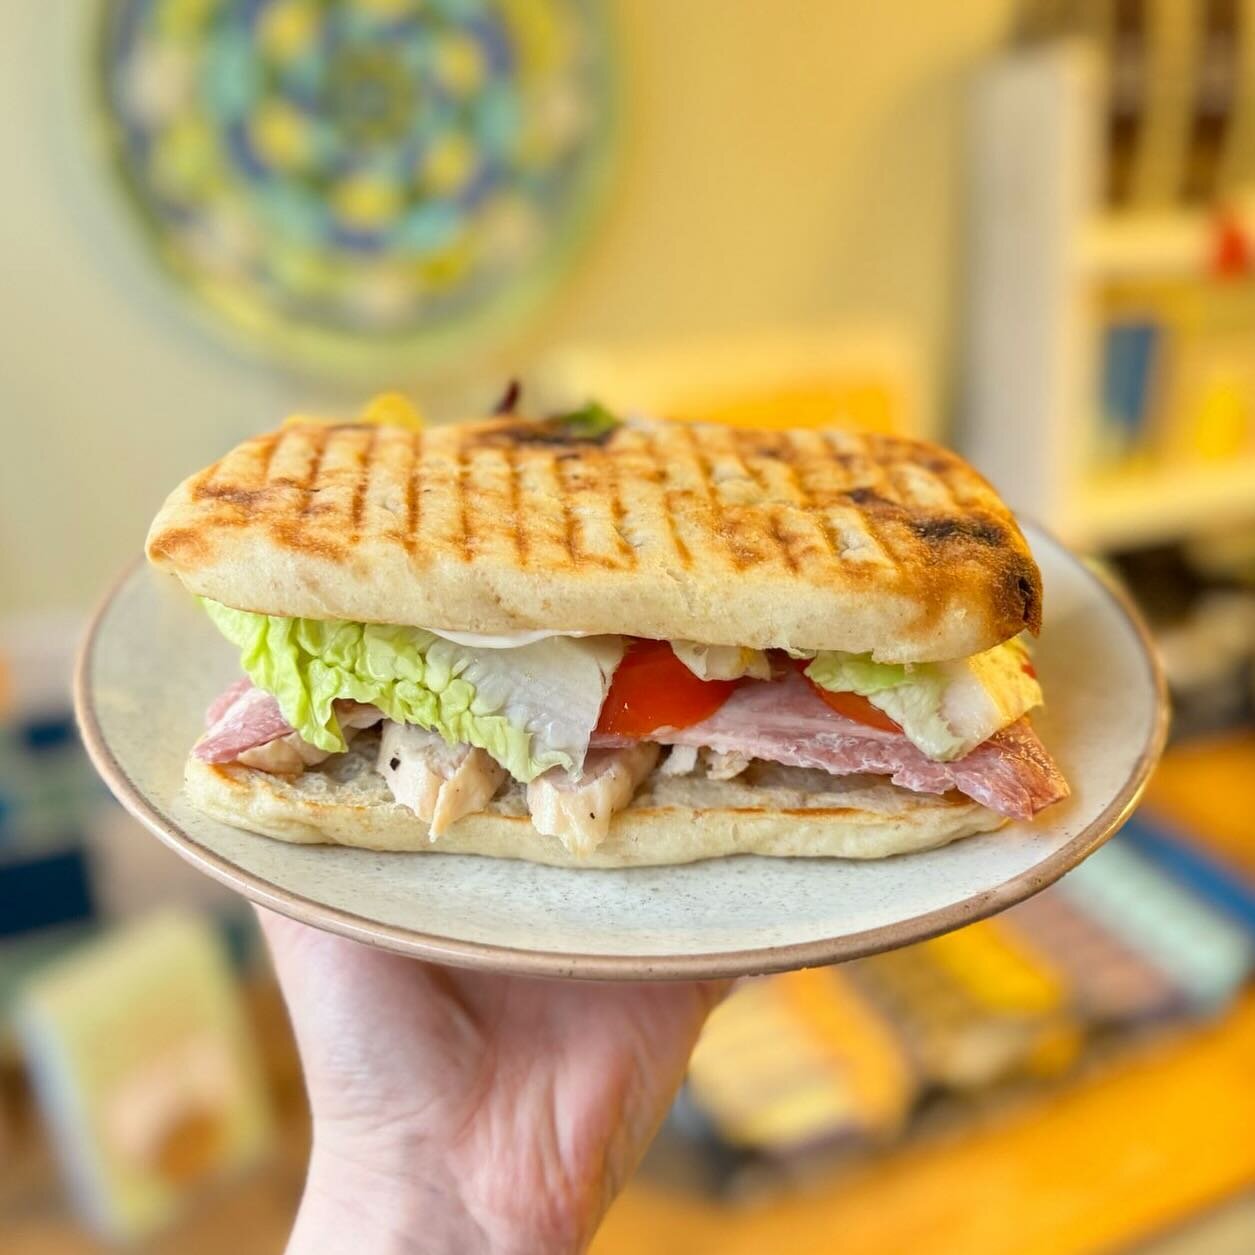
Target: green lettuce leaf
<point>945,709</point>
<point>858,673</point>
<point>530,708</point>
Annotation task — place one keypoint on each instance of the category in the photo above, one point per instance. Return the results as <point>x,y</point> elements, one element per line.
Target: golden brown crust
<point>765,538</point>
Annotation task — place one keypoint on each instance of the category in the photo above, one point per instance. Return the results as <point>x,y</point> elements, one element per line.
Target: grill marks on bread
<point>654,500</point>
<point>804,500</point>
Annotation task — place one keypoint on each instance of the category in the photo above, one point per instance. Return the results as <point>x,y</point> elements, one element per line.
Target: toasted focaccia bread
<point>771,810</point>
<point>804,539</point>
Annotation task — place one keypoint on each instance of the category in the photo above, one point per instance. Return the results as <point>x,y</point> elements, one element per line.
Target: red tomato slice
<point>858,708</point>
<point>653,689</point>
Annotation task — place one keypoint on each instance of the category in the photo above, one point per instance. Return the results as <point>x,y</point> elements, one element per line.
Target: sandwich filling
<point>582,721</point>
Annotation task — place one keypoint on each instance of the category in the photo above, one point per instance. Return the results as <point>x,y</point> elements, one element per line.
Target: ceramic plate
<point>152,661</point>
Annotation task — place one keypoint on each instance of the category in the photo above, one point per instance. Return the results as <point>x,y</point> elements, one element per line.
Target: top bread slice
<point>804,539</point>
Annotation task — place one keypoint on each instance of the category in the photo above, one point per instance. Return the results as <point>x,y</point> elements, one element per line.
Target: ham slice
<point>226,699</point>
<point>240,719</point>
<point>243,718</point>
<point>783,721</point>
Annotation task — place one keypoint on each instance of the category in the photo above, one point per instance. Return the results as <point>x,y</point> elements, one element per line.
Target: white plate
<point>152,661</point>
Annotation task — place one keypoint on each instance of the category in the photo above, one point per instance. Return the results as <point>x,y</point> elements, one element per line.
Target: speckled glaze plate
<point>152,661</point>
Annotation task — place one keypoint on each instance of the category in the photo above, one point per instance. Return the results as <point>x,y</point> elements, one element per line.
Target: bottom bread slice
<point>783,812</point>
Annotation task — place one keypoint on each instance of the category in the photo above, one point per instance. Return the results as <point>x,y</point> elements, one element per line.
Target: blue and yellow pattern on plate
<point>359,181</point>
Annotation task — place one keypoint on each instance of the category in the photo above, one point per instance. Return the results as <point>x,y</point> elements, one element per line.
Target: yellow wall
<point>784,161</point>
<point>790,160</point>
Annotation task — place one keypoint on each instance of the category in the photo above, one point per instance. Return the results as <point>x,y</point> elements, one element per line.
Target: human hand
<point>464,1111</point>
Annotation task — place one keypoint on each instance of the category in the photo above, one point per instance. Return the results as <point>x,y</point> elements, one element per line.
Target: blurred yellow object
<point>460,64</point>
<point>182,17</point>
<point>391,8</point>
<point>186,159</point>
<point>997,970</point>
<point>146,1070</point>
<point>1207,786</point>
<point>365,201</point>
<point>449,164</point>
<point>303,268</point>
<point>445,268</point>
<point>868,405</point>
<point>859,1037</point>
<point>853,377</point>
<point>1200,403</point>
<point>388,409</point>
<point>797,1059</point>
<point>1220,430</point>
<point>393,409</point>
<point>281,134</point>
<point>978,1006</point>
<point>286,29</point>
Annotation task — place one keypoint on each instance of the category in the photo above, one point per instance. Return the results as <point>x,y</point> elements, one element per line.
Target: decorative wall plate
<point>352,184</point>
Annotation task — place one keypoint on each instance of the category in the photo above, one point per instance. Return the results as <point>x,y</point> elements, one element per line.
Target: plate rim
<point>761,960</point>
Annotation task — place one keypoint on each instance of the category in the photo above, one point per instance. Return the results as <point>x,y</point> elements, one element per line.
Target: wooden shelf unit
<point>1041,245</point>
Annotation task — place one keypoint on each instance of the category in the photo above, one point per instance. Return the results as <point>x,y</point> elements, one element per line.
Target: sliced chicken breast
<point>285,756</point>
<point>684,760</point>
<point>439,782</point>
<point>680,761</point>
<point>724,765</point>
<point>289,755</point>
<point>578,809</point>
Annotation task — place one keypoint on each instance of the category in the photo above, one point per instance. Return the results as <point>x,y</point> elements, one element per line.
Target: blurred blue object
<point>1204,952</point>
<point>44,891</point>
<point>47,787</point>
<point>1223,886</point>
<point>47,732</point>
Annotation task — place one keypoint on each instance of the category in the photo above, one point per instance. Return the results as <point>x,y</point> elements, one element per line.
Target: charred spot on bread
<point>951,527</point>
<point>232,494</point>
<point>867,497</point>
<point>1027,581</point>
<point>541,433</point>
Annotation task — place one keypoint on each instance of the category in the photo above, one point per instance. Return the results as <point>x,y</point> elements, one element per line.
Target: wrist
<point>397,1210</point>
<point>391,1199</point>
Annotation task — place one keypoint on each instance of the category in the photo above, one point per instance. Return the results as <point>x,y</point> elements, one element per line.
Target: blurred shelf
<point>1130,508</point>
<point>1043,245</point>
<point>1158,244</point>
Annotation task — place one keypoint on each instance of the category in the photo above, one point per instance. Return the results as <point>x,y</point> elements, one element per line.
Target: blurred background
<point>1027,229</point>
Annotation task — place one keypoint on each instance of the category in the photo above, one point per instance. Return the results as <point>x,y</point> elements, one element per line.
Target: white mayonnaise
<point>500,640</point>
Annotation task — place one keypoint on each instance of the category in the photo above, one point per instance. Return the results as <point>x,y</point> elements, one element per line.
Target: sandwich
<point>595,642</point>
